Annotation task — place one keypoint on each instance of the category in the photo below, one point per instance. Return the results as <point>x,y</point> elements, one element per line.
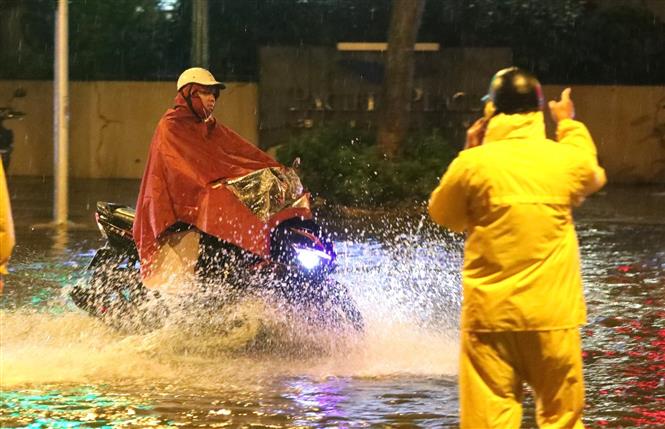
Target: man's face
<point>207,96</point>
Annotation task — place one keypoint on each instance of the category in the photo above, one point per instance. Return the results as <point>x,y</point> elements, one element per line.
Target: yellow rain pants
<point>494,366</point>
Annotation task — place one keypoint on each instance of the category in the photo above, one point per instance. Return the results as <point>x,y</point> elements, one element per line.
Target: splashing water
<point>248,364</point>
<point>407,290</point>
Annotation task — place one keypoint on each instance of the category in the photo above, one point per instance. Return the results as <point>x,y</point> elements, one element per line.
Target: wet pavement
<point>60,368</point>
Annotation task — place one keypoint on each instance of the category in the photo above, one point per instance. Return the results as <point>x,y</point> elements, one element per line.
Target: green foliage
<point>127,38</point>
<point>26,39</point>
<point>562,41</point>
<point>344,166</point>
<point>108,40</point>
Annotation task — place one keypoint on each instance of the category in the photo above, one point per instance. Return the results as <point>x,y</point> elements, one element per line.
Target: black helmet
<point>513,90</point>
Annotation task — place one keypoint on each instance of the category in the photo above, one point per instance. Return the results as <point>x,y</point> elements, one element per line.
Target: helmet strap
<point>188,99</point>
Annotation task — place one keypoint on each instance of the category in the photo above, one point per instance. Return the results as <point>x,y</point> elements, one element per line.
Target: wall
<point>111,124</point>
<point>628,126</point>
<point>303,87</point>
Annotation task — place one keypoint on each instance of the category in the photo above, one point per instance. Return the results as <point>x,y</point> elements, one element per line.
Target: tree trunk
<point>398,81</point>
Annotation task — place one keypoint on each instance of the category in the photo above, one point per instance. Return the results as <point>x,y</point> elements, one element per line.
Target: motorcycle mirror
<point>296,163</point>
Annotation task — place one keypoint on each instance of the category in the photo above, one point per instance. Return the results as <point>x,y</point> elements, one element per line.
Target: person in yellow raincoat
<point>511,190</point>
<point>6,227</point>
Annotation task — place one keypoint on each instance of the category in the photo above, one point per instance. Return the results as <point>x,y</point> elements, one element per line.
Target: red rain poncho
<point>186,155</point>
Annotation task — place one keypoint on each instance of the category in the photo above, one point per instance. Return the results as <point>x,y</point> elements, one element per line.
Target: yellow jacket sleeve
<point>6,224</point>
<point>576,135</point>
<point>448,203</point>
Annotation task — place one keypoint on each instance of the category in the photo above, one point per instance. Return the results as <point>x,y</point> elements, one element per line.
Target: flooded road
<point>60,368</point>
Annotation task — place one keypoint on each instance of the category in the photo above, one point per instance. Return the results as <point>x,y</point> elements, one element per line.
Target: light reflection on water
<point>294,402</point>
<point>63,369</point>
<point>62,406</point>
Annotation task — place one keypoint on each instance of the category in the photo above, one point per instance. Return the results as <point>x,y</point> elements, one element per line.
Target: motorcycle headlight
<point>311,258</point>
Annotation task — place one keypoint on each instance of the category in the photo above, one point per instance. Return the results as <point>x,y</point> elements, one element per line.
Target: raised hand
<point>476,133</point>
<point>562,109</point>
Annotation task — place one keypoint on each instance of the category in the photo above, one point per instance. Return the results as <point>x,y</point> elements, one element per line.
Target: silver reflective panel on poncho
<point>269,190</point>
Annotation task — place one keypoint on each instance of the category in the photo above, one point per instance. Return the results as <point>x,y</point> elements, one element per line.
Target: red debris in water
<point>651,418</point>
<point>646,385</point>
<point>624,268</point>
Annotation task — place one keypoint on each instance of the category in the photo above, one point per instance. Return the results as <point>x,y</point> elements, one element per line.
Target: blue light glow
<point>311,258</point>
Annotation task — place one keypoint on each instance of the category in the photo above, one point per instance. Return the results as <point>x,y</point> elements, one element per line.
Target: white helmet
<point>200,76</point>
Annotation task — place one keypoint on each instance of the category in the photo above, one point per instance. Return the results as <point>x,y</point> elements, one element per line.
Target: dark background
<point>562,41</point>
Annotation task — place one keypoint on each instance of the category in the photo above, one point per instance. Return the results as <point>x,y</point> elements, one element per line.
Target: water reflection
<point>319,402</point>
<point>63,407</point>
<point>61,368</point>
<point>624,351</point>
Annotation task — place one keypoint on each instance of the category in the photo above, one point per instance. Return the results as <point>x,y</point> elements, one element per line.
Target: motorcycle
<point>297,270</point>
<point>7,135</point>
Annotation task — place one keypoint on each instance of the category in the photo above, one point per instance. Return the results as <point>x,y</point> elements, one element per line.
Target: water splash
<point>407,289</point>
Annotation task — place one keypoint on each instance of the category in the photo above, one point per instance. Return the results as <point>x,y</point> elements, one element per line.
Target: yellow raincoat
<point>6,224</point>
<point>513,195</point>
<point>523,297</point>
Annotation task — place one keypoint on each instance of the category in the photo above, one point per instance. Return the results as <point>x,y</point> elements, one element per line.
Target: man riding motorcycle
<point>217,221</point>
<point>189,151</point>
